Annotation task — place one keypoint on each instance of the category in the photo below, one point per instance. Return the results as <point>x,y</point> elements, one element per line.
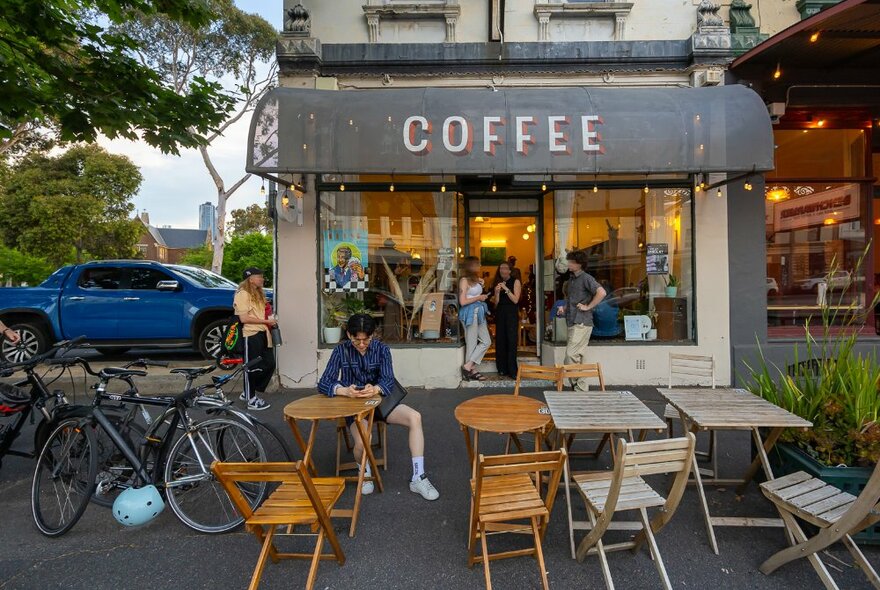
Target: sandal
<point>477,376</point>
<point>466,375</point>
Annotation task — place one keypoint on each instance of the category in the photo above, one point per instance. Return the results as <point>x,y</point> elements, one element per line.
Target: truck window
<point>100,278</point>
<point>146,278</point>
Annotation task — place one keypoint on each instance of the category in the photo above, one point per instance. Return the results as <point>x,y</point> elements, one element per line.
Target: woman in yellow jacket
<point>254,313</point>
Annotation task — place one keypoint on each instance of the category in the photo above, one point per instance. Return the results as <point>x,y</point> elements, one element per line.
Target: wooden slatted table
<point>598,412</point>
<point>732,409</point>
<point>501,414</point>
<point>315,408</point>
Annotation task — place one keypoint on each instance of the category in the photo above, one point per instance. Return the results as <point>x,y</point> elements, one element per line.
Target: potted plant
<point>334,317</point>
<point>836,389</point>
<point>671,285</point>
<point>652,333</point>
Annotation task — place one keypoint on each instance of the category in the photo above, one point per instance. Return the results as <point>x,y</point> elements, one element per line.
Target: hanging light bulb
<point>699,187</point>
<point>718,192</point>
<point>285,198</point>
<point>778,72</point>
<point>342,187</point>
<point>747,185</point>
<point>543,187</point>
<point>595,188</point>
<point>646,189</point>
<point>525,236</point>
<point>442,188</point>
<point>263,190</point>
<point>494,187</point>
<point>391,188</point>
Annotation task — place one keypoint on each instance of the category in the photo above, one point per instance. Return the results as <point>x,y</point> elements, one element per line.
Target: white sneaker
<point>243,396</point>
<point>424,487</point>
<point>367,488</point>
<point>257,404</point>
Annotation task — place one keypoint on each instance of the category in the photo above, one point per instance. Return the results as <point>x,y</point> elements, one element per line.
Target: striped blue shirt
<point>349,367</point>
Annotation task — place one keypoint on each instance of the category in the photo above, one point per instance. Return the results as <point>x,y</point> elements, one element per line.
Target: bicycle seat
<point>119,373</point>
<point>192,372</point>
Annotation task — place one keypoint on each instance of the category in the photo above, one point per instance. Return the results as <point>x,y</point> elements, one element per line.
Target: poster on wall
<point>444,259</point>
<point>432,316</point>
<point>345,261</point>
<point>657,259</point>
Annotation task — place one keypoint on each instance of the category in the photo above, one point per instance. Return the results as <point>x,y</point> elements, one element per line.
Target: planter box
<point>787,458</point>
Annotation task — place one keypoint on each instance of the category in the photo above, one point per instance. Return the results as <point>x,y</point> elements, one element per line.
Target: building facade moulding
<point>582,10</point>
<point>376,10</point>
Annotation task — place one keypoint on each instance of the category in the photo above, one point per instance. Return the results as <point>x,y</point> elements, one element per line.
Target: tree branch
<point>237,185</point>
<point>212,170</point>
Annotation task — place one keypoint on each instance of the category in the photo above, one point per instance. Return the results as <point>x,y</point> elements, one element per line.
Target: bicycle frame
<point>40,394</point>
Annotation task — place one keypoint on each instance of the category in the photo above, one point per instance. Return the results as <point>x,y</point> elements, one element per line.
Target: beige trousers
<point>576,351</point>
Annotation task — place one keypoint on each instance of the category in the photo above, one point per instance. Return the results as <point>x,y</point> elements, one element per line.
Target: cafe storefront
<point>381,193</point>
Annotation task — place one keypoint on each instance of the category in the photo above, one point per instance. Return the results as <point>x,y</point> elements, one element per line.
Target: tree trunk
<point>219,242</point>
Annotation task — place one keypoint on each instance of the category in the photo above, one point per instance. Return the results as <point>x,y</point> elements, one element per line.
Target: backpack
<point>233,338</point>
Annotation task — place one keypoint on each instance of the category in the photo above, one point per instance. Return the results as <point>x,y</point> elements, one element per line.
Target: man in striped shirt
<point>361,367</point>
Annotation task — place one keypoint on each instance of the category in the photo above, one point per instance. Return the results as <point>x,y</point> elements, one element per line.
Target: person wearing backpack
<point>252,311</point>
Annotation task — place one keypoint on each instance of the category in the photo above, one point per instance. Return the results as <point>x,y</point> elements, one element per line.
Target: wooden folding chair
<point>298,501</point>
<point>572,373</point>
<point>685,367</point>
<point>538,372</point>
<point>624,489</point>
<point>504,496</point>
<point>343,436</point>
<point>837,514</point>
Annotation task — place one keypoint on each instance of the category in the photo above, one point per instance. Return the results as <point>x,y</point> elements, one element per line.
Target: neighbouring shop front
<point>381,194</point>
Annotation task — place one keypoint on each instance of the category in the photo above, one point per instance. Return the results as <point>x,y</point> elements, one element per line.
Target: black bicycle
<point>175,455</point>
<point>21,400</point>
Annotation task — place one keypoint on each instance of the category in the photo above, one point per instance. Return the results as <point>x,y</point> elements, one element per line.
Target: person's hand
<point>560,311</point>
<point>583,307</point>
<point>271,322</point>
<point>370,390</point>
<point>484,297</point>
<point>11,335</point>
<point>498,288</point>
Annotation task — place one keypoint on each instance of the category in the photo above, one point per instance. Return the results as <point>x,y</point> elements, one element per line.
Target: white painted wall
<point>343,21</point>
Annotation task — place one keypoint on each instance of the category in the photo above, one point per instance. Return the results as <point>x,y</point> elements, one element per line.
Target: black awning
<point>581,130</point>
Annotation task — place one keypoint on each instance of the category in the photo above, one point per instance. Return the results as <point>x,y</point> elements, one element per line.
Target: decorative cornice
<point>582,10</point>
<point>448,11</point>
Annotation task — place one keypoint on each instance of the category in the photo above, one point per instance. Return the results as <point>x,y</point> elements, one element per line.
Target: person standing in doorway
<point>507,291</point>
<point>516,272</point>
<point>253,312</point>
<point>584,294</point>
<point>473,314</point>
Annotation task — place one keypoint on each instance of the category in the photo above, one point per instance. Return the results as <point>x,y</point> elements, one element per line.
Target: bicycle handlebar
<point>146,363</point>
<point>46,356</point>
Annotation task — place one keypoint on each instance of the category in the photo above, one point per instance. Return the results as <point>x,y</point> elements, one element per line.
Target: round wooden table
<point>315,408</point>
<point>501,414</point>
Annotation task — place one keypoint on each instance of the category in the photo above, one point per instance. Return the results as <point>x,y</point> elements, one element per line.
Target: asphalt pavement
<point>402,540</point>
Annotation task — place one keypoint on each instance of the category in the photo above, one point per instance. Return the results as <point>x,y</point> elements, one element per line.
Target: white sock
<point>367,470</point>
<point>418,467</point>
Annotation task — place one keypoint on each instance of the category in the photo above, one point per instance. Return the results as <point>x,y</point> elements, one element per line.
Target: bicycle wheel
<point>64,478</point>
<point>195,496</point>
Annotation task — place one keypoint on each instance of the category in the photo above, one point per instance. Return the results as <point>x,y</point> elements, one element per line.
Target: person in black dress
<point>506,293</point>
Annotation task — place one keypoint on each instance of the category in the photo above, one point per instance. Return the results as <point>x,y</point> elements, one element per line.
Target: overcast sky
<point>174,186</point>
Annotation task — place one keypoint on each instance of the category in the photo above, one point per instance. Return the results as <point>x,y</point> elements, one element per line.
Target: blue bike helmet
<point>137,506</point>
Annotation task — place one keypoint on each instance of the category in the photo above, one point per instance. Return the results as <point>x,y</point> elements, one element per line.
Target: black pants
<point>260,376</point>
<point>506,326</point>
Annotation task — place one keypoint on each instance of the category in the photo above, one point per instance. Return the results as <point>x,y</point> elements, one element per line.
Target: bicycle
<point>20,405</point>
<point>175,460</point>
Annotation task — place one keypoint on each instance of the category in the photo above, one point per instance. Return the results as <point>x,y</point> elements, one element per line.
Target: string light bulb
<point>718,192</point>
<point>595,188</point>
<point>342,187</point>
<point>526,236</point>
<point>263,190</point>
<point>814,37</point>
<point>494,187</point>
<point>285,198</point>
<point>543,187</point>
<point>778,72</point>
<point>391,187</point>
<point>646,189</point>
<point>442,188</point>
<point>747,185</point>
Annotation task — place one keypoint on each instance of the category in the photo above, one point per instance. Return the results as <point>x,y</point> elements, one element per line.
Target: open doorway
<point>513,239</point>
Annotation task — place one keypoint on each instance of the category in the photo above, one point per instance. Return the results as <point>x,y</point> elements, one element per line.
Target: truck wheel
<point>211,339</point>
<point>33,342</point>
<point>112,350</point>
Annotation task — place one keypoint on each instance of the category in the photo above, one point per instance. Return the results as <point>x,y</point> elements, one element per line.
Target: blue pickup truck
<point>119,304</point>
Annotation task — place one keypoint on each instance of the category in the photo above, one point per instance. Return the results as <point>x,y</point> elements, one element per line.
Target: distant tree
<point>226,49</point>
<point>254,218</point>
<point>71,207</point>
<point>19,268</point>
<point>254,249</point>
<point>68,65</point>
<point>200,257</point>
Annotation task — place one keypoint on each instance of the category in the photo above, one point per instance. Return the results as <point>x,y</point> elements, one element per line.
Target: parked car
<point>119,304</point>
<point>772,287</point>
<point>624,296</point>
<point>839,280</point>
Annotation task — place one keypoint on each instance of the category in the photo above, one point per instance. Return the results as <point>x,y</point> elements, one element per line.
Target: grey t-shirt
<point>582,288</point>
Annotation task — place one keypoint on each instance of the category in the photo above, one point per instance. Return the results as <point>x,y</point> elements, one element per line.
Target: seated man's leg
<point>419,484</point>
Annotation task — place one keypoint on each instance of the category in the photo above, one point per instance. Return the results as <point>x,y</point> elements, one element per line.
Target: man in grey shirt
<point>584,294</point>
